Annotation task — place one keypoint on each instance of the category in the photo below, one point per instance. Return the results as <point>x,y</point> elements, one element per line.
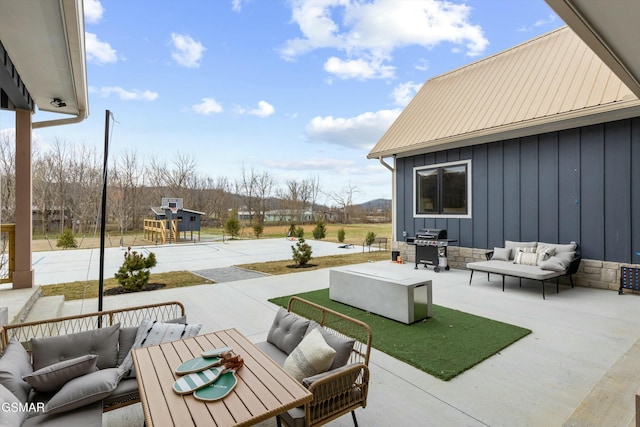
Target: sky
<point>297,88</point>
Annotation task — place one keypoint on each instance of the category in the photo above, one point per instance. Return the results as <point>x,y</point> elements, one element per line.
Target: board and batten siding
<point>579,184</point>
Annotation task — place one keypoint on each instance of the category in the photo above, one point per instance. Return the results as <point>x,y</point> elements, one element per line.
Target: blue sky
<point>298,88</point>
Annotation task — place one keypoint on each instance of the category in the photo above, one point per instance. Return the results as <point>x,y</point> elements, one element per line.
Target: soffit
<point>45,41</point>
<point>610,30</point>
<point>550,83</point>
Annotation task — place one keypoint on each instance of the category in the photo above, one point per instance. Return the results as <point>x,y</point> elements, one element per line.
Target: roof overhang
<point>46,46</point>
<point>610,30</point>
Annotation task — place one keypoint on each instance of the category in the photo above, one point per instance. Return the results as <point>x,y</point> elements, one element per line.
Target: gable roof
<point>549,83</point>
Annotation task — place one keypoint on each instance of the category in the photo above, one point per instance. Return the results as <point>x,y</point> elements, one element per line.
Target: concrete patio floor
<point>578,336</point>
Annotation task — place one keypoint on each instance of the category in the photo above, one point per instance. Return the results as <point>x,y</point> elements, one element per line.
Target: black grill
<point>431,245</point>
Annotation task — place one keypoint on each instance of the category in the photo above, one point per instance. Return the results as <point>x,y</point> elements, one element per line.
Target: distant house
<point>538,142</point>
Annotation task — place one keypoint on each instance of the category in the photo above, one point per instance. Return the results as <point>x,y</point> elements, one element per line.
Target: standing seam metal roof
<point>549,83</point>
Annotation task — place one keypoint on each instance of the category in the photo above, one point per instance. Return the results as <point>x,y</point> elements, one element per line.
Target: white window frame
<point>440,165</point>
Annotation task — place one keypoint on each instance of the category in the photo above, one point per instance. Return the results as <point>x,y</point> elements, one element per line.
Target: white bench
<point>403,296</point>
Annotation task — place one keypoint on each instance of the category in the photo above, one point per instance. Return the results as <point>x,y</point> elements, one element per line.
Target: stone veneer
<point>591,273</point>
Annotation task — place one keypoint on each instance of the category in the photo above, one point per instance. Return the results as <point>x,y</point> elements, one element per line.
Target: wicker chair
<point>343,390</point>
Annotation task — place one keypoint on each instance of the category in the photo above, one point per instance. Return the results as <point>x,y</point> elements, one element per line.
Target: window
<point>443,190</point>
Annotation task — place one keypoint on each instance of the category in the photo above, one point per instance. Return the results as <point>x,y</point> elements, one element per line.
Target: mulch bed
<point>120,290</point>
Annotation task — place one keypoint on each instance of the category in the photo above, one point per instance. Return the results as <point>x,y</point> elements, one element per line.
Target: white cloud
<point>358,69</point>
<point>129,95</point>
<point>187,52</point>
<point>264,110</point>
<point>207,106</point>
<point>236,5</point>
<point>98,51</point>
<point>93,11</point>
<point>404,92</point>
<point>539,23</point>
<point>421,65</point>
<point>362,131</point>
<point>371,31</point>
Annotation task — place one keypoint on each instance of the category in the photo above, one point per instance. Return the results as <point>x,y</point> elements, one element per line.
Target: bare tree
<point>84,175</point>
<point>246,188</point>
<point>344,200</point>
<point>125,184</point>
<point>7,176</point>
<point>264,186</point>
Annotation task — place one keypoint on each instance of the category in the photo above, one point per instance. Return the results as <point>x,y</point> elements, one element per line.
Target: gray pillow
<point>502,254</point>
<point>53,377</point>
<point>342,346</point>
<point>14,364</point>
<point>559,262</point>
<point>287,330</point>
<point>509,244</point>
<point>128,336</point>
<point>8,417</point>
<point>569,247</point>
<point>102,342</point>
<point>84,390</point>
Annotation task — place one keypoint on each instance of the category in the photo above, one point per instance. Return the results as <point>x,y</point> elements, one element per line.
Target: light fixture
<point>58,103</point>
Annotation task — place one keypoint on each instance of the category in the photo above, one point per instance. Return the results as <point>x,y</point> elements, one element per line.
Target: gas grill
<point>431,248</point>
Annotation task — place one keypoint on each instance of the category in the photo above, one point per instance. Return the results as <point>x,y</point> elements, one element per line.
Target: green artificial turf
<point>444,345</point>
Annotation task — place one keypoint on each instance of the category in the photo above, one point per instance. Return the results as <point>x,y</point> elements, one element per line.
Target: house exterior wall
<point>580,185</point>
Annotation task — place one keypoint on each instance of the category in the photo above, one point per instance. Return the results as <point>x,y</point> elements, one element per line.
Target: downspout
<point>393,197</point>
<point>82,114</point>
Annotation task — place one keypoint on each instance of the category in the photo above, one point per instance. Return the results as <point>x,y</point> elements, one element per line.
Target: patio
<point>578,336</point>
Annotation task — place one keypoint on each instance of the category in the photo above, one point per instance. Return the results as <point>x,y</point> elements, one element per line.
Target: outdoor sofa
<point>77,367</point>
<point>538,261</point>
<point>342,380</point>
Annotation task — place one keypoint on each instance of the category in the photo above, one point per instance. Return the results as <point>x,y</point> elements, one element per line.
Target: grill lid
<point>432,233</point>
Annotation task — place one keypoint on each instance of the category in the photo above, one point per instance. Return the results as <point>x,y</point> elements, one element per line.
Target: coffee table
<point>264,389</point>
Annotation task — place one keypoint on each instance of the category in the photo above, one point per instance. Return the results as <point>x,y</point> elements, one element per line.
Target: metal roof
<point>550,83</point>
<point>44,41</point>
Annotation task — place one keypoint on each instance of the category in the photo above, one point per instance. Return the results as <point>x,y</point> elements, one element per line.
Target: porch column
<point>23,276</point>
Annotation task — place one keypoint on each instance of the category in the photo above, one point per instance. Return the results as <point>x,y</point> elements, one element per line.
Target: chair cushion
<point>342,346</point>
<point>102,342</point>
<point>287,330</point>
<point>151,332</point>
<point>53,377</point>
<point>14,364</point>
<point>312,356</point>
<point>84,390</point>
<point>9,417</point>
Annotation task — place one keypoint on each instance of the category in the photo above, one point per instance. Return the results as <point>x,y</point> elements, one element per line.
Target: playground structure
<point>171,219</point>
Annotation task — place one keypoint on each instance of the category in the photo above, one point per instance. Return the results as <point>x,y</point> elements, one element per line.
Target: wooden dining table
<point>263,391</point>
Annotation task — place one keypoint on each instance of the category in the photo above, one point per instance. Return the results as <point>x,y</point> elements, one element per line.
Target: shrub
<point>232,225</point>
<point>133,274</point>
<point>299,232</point>
<point>320,232</point>
<point>292,230</point>
<point>341,235</point>
<point>66,240</point>
<point>258,229</point>
<point>301,252</point>
<point>370,237</point>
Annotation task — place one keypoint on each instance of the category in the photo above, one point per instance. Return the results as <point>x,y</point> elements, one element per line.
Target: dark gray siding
<point>579,184</point>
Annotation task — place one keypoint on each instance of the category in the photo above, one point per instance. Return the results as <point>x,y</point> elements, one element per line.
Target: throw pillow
<point>128,336</point>
<point>559,262</point>
<point>514,246</point>
<point>526,258</point>
<point>152,332</point>
<point>342,346</point>
<point>312,356</point>
<point>9,417</point>
<point>84,390</point>
<point>102,341</point>
<point>287,330</point>
<point>502,254</point>
<point>14,364</point>
<point>53,377</point>
<point>544,253</point>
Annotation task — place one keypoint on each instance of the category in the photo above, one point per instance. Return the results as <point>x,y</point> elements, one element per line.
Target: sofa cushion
<point>508,268</point>
<point>525,258</point>
<point>559,262</point>
<point>128,336</point>
<point>151,332</point>
<point>273,352</point>
<point>509,244</point>
<point>14,364</point>
<point>568,247</point>
<point>287,330</point>
<point>9,417</point>
<point>501,254</point>
<point>312,356</point>
<point>544,253</point>
<point>84,390</point>
<point>342,346</point>
<point>353,375</point>
<point>53,377</point>
<point>127,389</point>
<point>102,342</point>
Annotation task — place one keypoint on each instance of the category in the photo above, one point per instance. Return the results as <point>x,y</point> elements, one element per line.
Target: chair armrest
<point>340,389</point>
<point>573,266</point>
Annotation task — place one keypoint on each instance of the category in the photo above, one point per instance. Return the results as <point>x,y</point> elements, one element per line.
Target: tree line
<point>67,186</point>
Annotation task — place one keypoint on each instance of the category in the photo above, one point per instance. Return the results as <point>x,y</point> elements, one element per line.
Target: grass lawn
<point>444,345</point>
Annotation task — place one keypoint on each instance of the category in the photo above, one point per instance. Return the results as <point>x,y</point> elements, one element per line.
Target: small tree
<point>370,238</point>
<point>292,230</point>
<point>133,274</point>
<point>258,229</point>
<point>301,252</point>
<point>299,232</point>
<point>320,232</point>
<point>232,225</point>
<point>66,240</point>
<point>341,235</point>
